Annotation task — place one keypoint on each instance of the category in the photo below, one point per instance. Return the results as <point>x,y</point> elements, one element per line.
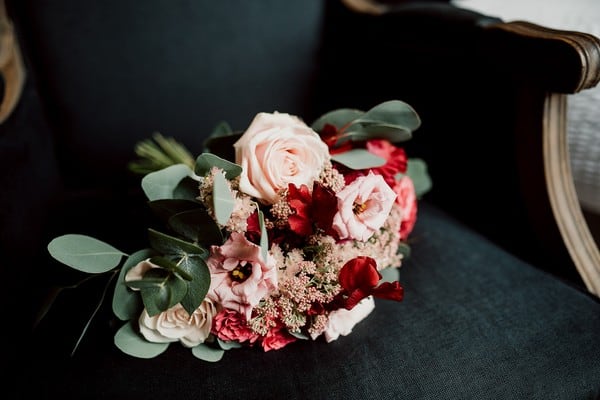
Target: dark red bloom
<point>330,135</point>
<point>310,211</point>
<point>359,278</point>
<point>300,201</point>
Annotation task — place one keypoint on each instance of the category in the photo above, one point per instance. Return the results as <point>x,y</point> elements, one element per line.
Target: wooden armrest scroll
<point>11,66</point>
<point>551,63</point>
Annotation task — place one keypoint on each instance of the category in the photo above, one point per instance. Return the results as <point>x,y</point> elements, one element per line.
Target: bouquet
<point>282,232</point>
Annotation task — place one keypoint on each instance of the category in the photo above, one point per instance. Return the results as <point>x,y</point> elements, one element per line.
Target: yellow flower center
<point>359,208</point>
<point>241,272</point>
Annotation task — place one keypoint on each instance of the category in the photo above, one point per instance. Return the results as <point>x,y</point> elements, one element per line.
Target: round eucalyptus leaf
<point>207,353</point>
<point>127,304</point>
<point>85,253</point>
<point>337,118</point>
<point>129,341</point>
<point>162,184</point>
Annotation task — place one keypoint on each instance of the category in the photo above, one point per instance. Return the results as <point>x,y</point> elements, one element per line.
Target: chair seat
<point>475,323</point>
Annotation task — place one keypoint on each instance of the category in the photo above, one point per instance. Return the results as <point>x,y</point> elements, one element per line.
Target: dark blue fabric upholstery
<point>476,323</point>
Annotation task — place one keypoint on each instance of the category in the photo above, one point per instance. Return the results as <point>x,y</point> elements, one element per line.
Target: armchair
<point>501,287</point>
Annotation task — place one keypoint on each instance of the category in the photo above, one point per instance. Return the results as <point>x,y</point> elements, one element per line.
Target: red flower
<point>300,201</point>
<point>397,161</point>
<point>330,135</point>
<point>359,278</point>
<point>318,208</point>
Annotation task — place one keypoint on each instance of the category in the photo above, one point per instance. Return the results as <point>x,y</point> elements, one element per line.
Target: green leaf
<point>162,184</point>
<point>127,304</point>
<point>223,201</point>
<point>187,189</point>
<point>222,146</point>
<point>172,246</point>
<point>222,129</point>
<point>85,253</point>
<point>132,343</point>
<point>171,266</point>
<point>417,170</point>
<point>164,296</point>
<point>228,345</point>
<point>207,353</point>
<point>198,226</point>
<point>359,159</point>
<point>198,286</point>
<point>393,112</point>
<point>338,118</point>
<point>390,274</point>
<point>358,133</point>
<point>206,161</point>
<point>404,249</point>
<point>166,208</point>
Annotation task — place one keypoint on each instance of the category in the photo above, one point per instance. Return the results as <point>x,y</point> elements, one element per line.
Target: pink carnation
<point>239,275</point>
<point>276,338</point>
<point>230,325</point>
<point>407,200</point>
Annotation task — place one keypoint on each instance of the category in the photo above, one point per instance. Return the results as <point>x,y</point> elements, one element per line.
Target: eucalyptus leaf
<point>196,225</point>
<point>299,335</point>
<point>207,353</point>
<point>160,298</point>
<point>162,184</point>
<point>187,189</point>
<point>404,249</point>
<point>171,266</point>
<point>222,129</point>
<point>173,246</point>
<point>223,200</point>
<point>390,274</point>
<point>359,159</point>
<point>206,161</point>
<point>127,304</point>
<point>132,343</point>
<point>198,286</point>
<point>85,253</point>
<point>166,208</point>
<point>417,170</point>
<point>394,112</point>
<point>222,146</point>
<point>228,345</point>
<point>338,118</point>
<point>359,133</point>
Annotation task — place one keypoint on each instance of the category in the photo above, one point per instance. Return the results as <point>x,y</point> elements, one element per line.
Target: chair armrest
<point>492,97</point>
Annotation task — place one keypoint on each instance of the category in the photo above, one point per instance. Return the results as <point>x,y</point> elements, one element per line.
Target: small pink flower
<point>230,325</point>
<point>239,275</point>
<point>363,207</point>
<point>407,200</point>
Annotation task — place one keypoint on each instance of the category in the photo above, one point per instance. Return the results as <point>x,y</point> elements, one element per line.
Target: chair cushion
<point>475,323</point>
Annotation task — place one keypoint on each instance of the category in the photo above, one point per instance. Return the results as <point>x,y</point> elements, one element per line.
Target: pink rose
<point>363,207</point>
<point>341,321</point>
<point>239,275</point>
<point>278,149</point>
<point>407,200</point>
<point>175,324</point>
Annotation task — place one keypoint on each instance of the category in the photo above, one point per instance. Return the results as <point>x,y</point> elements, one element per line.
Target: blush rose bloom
<point>240,277</point>
<point>363,207</point>
<point>137,273</point>
<point>341,321</point>
<point>278,149</point>
<point>175,324</point>
<point>407,201</point>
